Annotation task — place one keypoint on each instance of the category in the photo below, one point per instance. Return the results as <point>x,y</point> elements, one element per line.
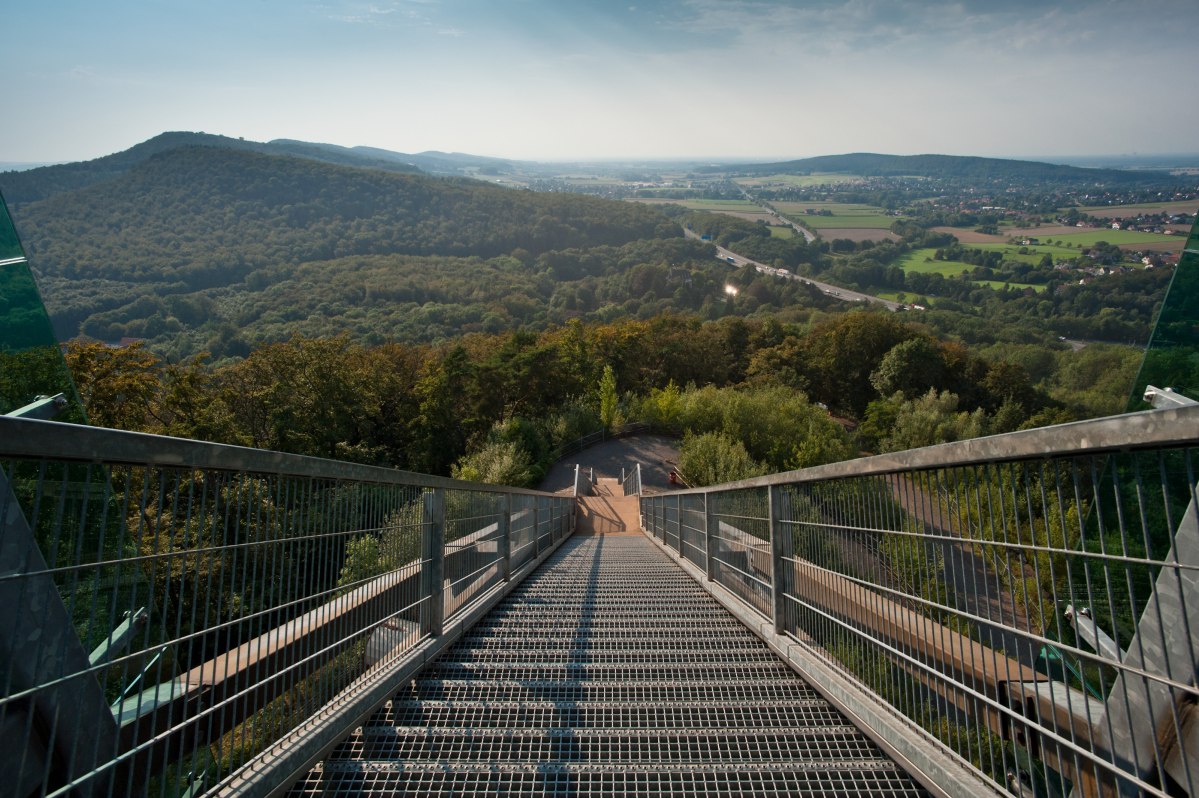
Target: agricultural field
<point>999,285</point>
<point>1112,211</point>
<point>921,261</point>
<point>1087,237</point>
<point>844,215</point>
<point>862,234</point>
<point>796,181</point>
<point>1031,254</point>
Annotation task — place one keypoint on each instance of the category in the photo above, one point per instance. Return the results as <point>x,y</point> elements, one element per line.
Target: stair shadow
<point>553,778</point>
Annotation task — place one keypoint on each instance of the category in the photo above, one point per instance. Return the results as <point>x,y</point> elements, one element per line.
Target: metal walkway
<point>608,672</point>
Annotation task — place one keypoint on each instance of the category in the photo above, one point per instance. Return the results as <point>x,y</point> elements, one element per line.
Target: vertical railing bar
<point>504,536</point>
<point>710,529</point>
<point>678,521</point>
<point>433,522</point>
<point>778,508</point>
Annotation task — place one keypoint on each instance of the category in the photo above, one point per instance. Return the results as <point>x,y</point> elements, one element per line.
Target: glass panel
<point>1172,358</point>
<point>31,363</point>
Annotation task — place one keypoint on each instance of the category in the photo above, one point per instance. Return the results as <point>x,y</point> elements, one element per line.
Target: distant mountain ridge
<point>869,164</point>
<point>44,182</point>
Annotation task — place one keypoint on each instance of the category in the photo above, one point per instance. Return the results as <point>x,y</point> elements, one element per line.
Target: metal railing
<point>181,617</point>
<point>599,436</point>
<point>1028,602</point>
<point>631,480</point>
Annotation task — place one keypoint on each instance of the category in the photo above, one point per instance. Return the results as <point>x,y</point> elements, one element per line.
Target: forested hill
<point>194,223</point>
<point>948,167</point>
<point>204,214</point>
<point>37,184</point>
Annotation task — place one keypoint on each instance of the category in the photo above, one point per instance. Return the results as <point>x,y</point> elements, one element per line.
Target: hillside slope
<point>37,184</point>
<point>196,222</point>
<point>970,168</point>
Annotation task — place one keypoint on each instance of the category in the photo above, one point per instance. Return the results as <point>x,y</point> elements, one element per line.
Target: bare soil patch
<point>970,237</point>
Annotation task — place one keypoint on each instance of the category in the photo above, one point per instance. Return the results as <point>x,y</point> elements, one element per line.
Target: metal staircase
<point>609,671</point>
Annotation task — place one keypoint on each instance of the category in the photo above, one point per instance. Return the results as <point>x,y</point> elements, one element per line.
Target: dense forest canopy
<point>165,246</point>
<point>773,389</point>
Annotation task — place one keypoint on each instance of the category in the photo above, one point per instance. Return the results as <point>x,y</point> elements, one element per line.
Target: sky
<point>593,79</point>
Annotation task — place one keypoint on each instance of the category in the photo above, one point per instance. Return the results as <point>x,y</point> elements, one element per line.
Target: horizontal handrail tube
<point>1150,429</point>
<point>53,440</point>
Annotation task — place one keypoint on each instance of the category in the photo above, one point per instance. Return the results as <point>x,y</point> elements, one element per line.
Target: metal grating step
<point>665,671</point>
<point>779,689</point>
<point>601,715</point>
<point>839,744</point>
<point>536,655</point>
<point>609,672</point>
<point>740,781</point>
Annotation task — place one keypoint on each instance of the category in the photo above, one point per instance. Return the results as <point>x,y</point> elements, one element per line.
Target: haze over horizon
<point>592,80</point>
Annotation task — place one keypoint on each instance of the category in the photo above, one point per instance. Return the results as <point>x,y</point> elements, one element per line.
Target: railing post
<point>780,548</point>
<point>536,532</point>
<point>433,567</point>
<point>710,530</point>
<point>504,537</point>
<point>678,521</point>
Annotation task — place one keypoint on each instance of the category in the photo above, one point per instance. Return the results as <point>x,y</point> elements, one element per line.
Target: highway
<point>836,291</point>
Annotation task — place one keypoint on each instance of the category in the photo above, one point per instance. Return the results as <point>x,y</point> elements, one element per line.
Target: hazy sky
<point>559,79</point>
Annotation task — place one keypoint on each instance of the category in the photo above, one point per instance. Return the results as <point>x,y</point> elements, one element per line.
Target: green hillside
<point>36,184</point>
<point>222,249</point>
<point>971,168</point>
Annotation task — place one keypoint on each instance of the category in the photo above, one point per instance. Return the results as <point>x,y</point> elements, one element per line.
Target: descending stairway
<point>608,672</point>
<point>608,511</point>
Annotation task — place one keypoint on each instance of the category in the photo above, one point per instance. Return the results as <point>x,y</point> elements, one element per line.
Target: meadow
<point>1109,211</point>
<point>1090,236</point>
<point>921,261</point>
<point>845,215</point>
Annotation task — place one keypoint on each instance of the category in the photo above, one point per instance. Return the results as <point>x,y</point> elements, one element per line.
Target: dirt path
<point>657,455</point>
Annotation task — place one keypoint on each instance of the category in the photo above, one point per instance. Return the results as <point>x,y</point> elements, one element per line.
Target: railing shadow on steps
<point>924,617</point>
<point>243,609</point>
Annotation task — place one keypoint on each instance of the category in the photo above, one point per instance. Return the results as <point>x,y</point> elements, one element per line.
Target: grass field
<point>1108,211</point>
<point>781,232</point>
<point>1120,238</point>
<point>845,215</point>
<point>1032,254</point>
<point>921,262</point>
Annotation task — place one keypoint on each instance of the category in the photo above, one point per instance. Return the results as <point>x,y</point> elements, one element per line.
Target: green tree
<point>911,368</point>
<point>713,457</point>
<point>497,463</point>
<point>608,398</point>
<point>931,419</point>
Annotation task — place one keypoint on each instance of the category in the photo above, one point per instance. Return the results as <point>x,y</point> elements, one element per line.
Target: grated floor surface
<point>608,672</point>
